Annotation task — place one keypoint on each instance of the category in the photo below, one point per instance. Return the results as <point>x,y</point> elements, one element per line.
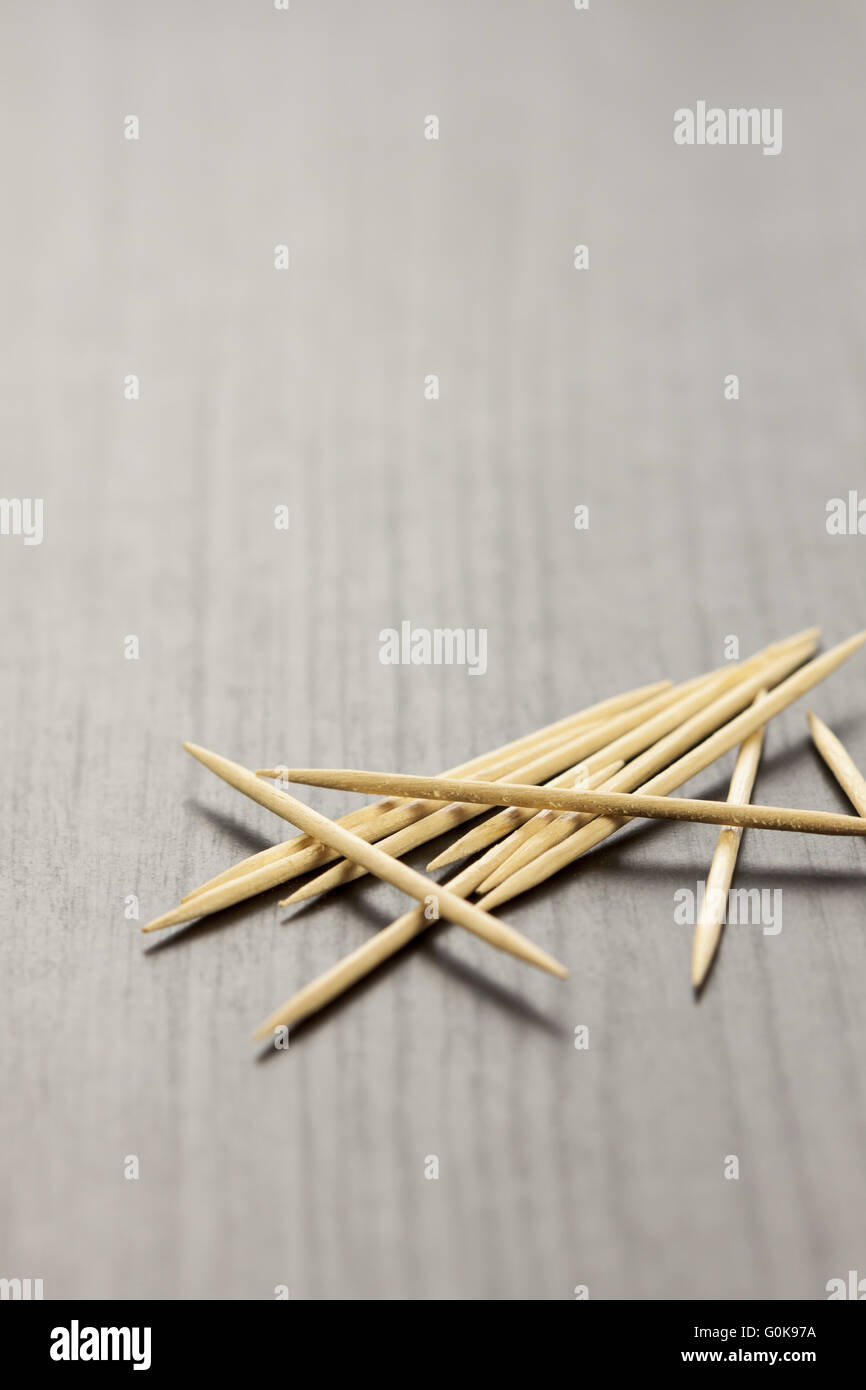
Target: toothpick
<point>447,817</point>
<point>720,742</point>
<point>416,829</point>
<point>425,890</point>
<point>752,677</point>
<point>365,958</point>
<point>386,943</point>
<point>398,845</point>
<point>840,762</point>
<point>550,733</point>
<point>679,714</point>
<point>596,803</point>
<point>708,929</point>
<point>372,823</point>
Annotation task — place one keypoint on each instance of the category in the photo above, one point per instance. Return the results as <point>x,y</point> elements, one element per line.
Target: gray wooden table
<point>305,388</point>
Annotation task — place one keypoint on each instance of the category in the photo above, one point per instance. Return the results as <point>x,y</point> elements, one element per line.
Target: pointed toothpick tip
<point>300,895</point>
<point>441,860</point>
<point>174,918</point>
<point>702,962</point>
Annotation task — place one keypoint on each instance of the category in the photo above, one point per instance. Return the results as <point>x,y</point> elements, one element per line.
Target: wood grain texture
<point>558,1167</point>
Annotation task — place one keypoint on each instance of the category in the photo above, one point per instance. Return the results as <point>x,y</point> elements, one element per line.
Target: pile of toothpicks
<point>562,790</point>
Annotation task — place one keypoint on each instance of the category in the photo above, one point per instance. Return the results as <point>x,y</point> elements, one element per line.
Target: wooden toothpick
<point>384,944</point>
<point>414,822</point>
<point>702,706</point>
<point>540,767</point>
<point>840,762</point>
<point>296,857</point>
<point>624,735</point>
<point>388,819</point>
<point>720,742</point>
<point>708,929</point>
<point>596,803</point>
<point>436,899</point>
<point>548,735</point>
<point>754,675</point>
<point>397,845</point>
<point>367,957</point>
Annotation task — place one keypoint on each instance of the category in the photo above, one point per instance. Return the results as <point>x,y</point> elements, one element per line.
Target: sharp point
<point>175,918</point>
<point>700,971</point>
<point>441,860</point>
<point>492,900</point>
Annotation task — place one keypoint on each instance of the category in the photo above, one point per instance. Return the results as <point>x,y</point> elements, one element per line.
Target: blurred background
<point>304,388</point>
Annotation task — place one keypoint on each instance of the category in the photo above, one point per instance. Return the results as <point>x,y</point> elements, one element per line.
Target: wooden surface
<point>306,1168</point>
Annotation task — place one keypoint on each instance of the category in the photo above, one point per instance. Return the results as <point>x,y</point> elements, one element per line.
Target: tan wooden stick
<point>456,813</point>
<point>622,740</point>
<point>708,929</point>
<point>557,830</point>
<point>436,899</point>
<point>379,948</point>
<point>276,867</point>
<point>680,771</point>
<point>418,831</point>
<point>312,856</point>
<point>398,845</point>
<point>604,709</point>
<point>597,803</point>
<point>658,741</point>
<point>366,958</point>
<point>840,762</point>
<point>382,818</point>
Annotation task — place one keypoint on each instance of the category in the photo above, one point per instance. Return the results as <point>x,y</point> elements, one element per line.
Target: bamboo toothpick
<point>365,958</point>
<point>399,844</point>
<point>386,818</point>
<point>549,734</point>
<point>272,867</point>
<point>400,875</point>
<point>720,742</point>
<point>708,929</point>
<point>360,962</point>
<point>558,830</point>
<point>693,715</point>
<point>840,762</point>
<point>596,803</point>
<point>386,943</point>
<point>578,751</point>
<point>416,823</point>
